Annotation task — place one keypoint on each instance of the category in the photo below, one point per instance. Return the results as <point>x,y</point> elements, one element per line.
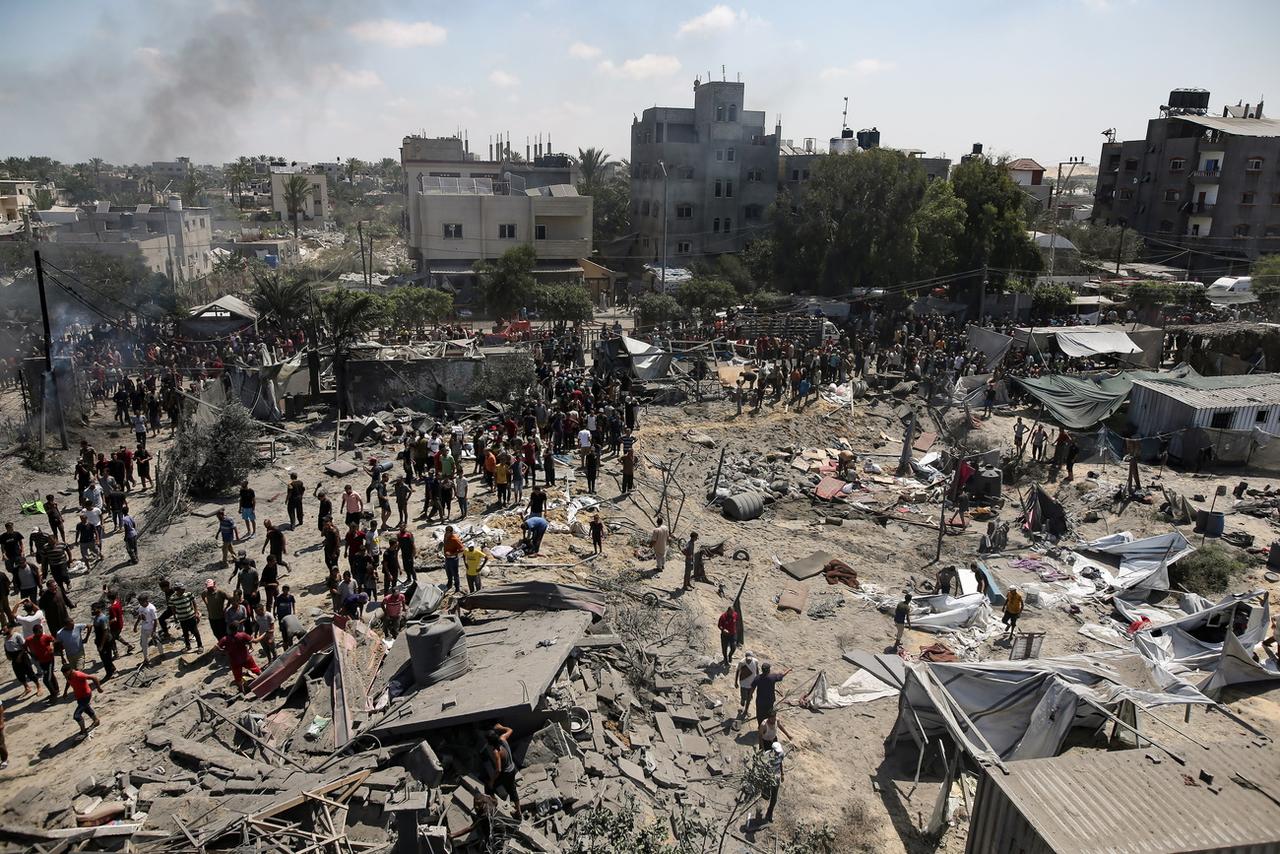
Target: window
<point>731,155</point>
<point>1221,420</point>
<point>719,112</point>
<point>728,189</point>
<point>657,133</point>
<point>795,174</point>
<point>1171,195</point>
<point>1131,165</point>
<point>452,231</point>
<point>728,225</point>
<point>1242,230</point>
<point>715,225</point>
<point>507,231</point>
<point>719,188</point>
<point>1125,194</point>
<point>1253,165</point>
<point>753,212</point>
<point>684,211</point>
<point>804,175</point>
<point>1113,163</point>
<point>644,208</point>
<point>644,241</point>
<point>1177,164</point>
<point>1273,231</point>
<point>1247,198</point>
<point>755,175</point>
<point>683,247</point>
<point>539,232</point>
<point>686,172</point>
<point>719,154</point>
<point>1166,226</point>
<point>733,112</point>
<point>1262,415</point>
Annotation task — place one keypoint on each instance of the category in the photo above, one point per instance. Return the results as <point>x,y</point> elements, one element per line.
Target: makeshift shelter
<point>972,389</point>
<point>1040,513</point>
<point>1144,564</point>
<point>1080,402</point>
<point>644,361</point>
<point>943,613</point>
<point>223,316</point>
<point>1234,416</point>
<point>1132,344</point>
<point>991,343</point>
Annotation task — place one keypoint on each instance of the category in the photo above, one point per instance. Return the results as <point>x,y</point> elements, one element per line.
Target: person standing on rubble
<point>728,625</point>
<point>402,490</point>
<point>1132,451</point>
<point>248,509</point>
<point>294,493</point>
<point>690,556</point>
<point>352,505</point>
<point>1013,604</point>
<point>408,549</point>
<point>500,766</point>
<point>461,489</point>
<point>475,561</point>
<point>238,646</point>
<point>597,535</point>
<point>226,534</point>
<point>144,623</point>
<point>1038,438</point>
<point>658,539</point>
<point>82,686</point>
<point>766,686</point>
<point>453,549</point>
<point>744,677</point>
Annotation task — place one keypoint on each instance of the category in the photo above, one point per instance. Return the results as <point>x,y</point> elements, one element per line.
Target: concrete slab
<point>341,468</point>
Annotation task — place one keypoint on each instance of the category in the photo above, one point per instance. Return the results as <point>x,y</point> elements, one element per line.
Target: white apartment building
<point>316,209</point>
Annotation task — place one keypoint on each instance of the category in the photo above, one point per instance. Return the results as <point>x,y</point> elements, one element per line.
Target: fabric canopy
<point>1087,344</point>
<point>647,361</point>
<point>993,344</point>
<point>1195,640</point>
<point>1080,402</point>
<point>1144,564</point>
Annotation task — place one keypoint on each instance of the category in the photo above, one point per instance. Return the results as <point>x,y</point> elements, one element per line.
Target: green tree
<point>563,302</point>
<point>239,174</point>
<point>296,190</point>
<point>995,224</point>
<point>193,189</point>
<point>43,199</point>
<point>347,316</point>
<point>592,165</point>
<point>758,257</point>
<point>655,309</point>
<point>768,302</point>
<point>851,230</point>
<point>353,167</point>
<point>610,210</point>
<point>1099,243</point>
<point>282,300</point>
<point>507,282</point>
<point>938,224</point>
<point>420,306</point>
<point>95,168</point>
<point>1266,280</point>
<point>706,295</point>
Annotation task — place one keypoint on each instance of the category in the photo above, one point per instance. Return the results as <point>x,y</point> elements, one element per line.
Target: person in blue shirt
<point>534,527</point>
<point>227,533</point>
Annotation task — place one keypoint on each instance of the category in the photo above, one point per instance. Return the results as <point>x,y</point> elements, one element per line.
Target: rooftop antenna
<point>722,74</point>
<point>844,117</point>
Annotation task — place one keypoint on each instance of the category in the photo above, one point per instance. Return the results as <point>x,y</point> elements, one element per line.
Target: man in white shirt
<point>658,540</point>
<point>145,623</point>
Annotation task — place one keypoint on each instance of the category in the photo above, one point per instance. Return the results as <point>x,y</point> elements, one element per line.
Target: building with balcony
<point>169,239</point>
<point>1203,190</point>
<point>458,222</point>
<point>426,158</point>
<point>708,173</point>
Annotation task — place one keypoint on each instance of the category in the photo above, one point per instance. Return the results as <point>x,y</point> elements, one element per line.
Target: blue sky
<point>138,80</point>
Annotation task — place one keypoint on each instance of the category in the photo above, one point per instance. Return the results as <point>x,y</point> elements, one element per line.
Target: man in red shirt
<point>728,624</point>
<point>40,645</point>
<point>392,612</point>
<point>238,646</point>
<point>115,615</point>
<point>80,683</point>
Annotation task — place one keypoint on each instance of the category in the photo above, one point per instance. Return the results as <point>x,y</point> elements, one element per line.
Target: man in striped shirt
<point>187,614</point>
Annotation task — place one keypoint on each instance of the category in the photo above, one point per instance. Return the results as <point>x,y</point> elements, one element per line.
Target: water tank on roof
<point>844,144</point>
<point>868,138</point>
<point>1189,99</point>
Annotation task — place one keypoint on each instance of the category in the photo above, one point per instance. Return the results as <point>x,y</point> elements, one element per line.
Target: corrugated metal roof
<point>1211,392</point>
<point>1238,127</point>
<point>1120,801</point>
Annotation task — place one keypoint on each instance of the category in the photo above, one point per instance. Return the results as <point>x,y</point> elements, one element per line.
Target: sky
<point>141,80</point>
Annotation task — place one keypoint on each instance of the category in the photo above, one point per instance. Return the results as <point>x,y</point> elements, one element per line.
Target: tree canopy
<point>563,302</point>
<point>507,282</point>
<point>706,295</point>
<point>654,309</point>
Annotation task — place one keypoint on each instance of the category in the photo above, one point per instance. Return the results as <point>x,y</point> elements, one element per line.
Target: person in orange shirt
<point>453,549</point>
<point>80,683</point>
<point>490,465</point>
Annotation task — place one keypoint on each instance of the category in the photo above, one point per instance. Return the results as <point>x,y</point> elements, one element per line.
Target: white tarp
<point>1195,640</point>
<point>861,687</point>
<point>993,344</point>
<point>1144,564</point>
<point>1236,667</point>
<point>942,613</point>
<point>1084,344</point>
<point>647,361</point>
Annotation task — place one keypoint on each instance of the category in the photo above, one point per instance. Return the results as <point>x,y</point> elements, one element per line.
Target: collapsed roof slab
<point>514,661</point>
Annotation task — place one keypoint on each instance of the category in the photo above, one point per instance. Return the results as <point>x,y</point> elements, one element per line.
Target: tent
<point>1009,710</point>
<point>1089,344</point>
<point>1042,513</point>
<point>647,361</point>
<point>943,613</point>
<point>990,342</point>
<point>1080,402</point>
<point>1144,564</point>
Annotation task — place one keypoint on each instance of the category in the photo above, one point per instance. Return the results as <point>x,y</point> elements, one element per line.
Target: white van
<point>1231,289</point>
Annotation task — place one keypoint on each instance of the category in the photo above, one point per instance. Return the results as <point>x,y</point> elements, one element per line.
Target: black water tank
<point>1189,99</point>
<point>868,138</point>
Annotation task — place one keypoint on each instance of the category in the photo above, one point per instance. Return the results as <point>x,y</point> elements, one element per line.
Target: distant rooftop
<point>1024,164</point>
<point>1236,127</point>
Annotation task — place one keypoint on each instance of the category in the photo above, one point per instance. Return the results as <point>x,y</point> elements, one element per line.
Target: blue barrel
<point>1214,524</point>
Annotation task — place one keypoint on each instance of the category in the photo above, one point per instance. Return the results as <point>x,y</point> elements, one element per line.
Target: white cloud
<point>643,67</point>
<point>717,19</point>
<point>348,78</point>
<point>498,77</point>
<point>399,33</point>
<point>581,50</point>
<point>152,59</point>
<point>861,68</point>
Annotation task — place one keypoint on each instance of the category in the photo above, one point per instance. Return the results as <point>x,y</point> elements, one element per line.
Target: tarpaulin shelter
<point>1009,710</point>
<point>1080,402</point>
<point>643,360</point>
<point>1132,344</point>
<point>944,613</point>
<point>992,344</point>
<point>972,390</point>
<point>1144,563</point>
<point>1042,513</point>
<point>1079,344</point>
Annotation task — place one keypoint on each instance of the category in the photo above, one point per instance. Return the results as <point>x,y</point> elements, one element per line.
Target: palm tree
<point>353,166</point>
<point>281,301</point>
<point>96,164</point>
<point>592,163</point>
<point>239,174</point>
<point>296,191</point>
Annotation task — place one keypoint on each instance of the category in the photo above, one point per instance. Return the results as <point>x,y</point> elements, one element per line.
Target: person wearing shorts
<point>82,687</point>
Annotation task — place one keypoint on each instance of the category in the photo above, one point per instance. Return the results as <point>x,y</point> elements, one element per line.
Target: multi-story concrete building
<point>460,221</point>
<point>1202,190</point>
<point>705,175</point>
<point>796,163</point>
<point>168,239</point>
<point>316,207</point>
<point>424,158</point>
<point>170,170</point>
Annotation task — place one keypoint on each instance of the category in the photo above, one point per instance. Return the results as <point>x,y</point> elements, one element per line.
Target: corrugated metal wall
<point>998,826</point>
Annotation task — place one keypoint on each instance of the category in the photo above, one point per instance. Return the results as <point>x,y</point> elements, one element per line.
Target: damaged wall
<point>375,385</point>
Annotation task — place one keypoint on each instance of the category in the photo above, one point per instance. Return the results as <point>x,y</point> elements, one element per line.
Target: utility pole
<point>1124,223</point>
<point>665,212</point>
<point>50,381</point>
<point>1073,162</point>
<point>364,275</point>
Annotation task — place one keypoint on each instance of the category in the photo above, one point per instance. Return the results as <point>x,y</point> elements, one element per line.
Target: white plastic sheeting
<point>647,361</point>
<point>1088,344</point>
<point>942,613</point>
<point>1144,564</point>
<point>861,687</point>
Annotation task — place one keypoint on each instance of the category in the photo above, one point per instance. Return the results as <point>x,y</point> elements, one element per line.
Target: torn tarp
<point>943,613</point>
<point>647,361</point>
<point>537,596</point>
<point>1080,402</point>
<point>993,344</point>
<point>1089,344</point>
<point>1042,513</point>
<point>1144,564</point>
<point>1194,639</point>
<point>861,687</point>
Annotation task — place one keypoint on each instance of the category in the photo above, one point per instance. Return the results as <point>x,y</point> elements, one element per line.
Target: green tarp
<point>1080,402</point>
